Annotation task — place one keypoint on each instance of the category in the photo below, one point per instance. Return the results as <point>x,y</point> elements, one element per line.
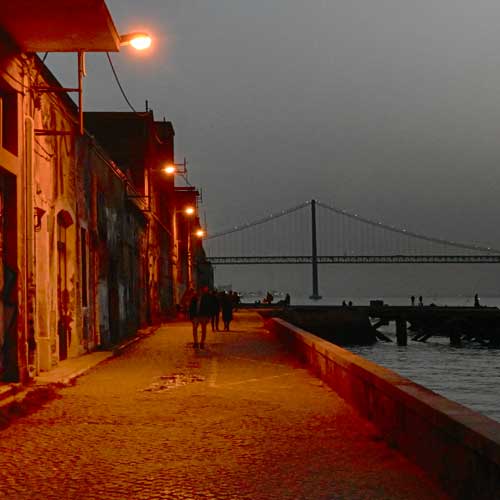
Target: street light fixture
<point>138,40</point>
<point>176,168</point>
<point>200,233</point>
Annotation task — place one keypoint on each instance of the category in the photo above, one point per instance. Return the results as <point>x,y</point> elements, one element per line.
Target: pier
<point>418,323</point>
<point>479,324</point>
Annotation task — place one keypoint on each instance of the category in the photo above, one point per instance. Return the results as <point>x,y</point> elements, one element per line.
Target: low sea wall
<point>460,448</point>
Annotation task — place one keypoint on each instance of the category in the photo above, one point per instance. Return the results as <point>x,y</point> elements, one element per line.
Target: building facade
<point>90,248</point>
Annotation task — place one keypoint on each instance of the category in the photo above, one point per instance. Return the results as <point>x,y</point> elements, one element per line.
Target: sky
<point>388,108</point>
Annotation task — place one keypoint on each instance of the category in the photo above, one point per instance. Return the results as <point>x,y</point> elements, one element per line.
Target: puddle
<point>167,382</point>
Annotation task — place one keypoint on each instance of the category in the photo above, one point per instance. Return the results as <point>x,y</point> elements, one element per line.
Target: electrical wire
<point>134,110</point>
<point>120,85</point>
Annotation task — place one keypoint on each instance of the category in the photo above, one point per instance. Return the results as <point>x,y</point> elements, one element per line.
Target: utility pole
<point>315,294</point>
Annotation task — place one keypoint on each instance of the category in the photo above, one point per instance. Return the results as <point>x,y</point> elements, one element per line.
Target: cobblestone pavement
<point>240,420</point>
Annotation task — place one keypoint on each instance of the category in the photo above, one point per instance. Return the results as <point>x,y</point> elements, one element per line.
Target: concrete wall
<point>457,446</point>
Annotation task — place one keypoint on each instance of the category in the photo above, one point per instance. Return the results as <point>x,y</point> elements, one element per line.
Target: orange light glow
<point>169,169</point>
<point>189,211</point>
<point>139,41</point>
<point>200,233</point>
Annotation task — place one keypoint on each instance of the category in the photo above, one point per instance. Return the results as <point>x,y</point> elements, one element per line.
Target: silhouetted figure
<point>214,310</point>
<point>344,303</point>
<point>476,301</point>
<point>269,298</point>
<point>185,302</point>
<point>287,299</point>
<point>350,303</point>
<point>199,314</point>
<point>412,298</point>
<point>420,300</point>
<point>226,305</point>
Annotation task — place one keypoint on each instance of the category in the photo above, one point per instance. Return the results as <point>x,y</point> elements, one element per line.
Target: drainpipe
<point>28,368</point>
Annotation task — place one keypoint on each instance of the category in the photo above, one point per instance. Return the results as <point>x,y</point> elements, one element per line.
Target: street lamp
<point>200,233</point>
<point>138,40</point>
<point>176,168</point>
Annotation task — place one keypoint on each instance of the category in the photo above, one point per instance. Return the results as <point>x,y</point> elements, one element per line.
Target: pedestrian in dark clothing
<point>215,311</point>
<point>199,313</point>
<point>412,298</point>
<point>420,300</point>
<point>227,310</point>
<point>476,301</point>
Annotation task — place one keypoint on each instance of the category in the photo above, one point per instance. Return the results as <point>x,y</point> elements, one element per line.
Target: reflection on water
<point>469,375</point>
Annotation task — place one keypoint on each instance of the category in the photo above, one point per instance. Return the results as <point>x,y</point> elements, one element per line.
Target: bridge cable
<point>394,229</point>
<point>259,221</point>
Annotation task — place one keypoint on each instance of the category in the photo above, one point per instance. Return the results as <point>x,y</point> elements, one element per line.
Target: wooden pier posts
<point>401,332</point>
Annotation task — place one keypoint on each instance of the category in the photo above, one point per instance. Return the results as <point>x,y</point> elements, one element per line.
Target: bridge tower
<point>314,253</point>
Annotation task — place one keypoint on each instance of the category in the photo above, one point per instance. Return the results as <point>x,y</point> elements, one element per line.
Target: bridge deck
<point>239,420</point>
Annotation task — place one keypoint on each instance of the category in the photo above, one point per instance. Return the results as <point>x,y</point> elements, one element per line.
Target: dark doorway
<point>9,366</point>
<point>64,220</point>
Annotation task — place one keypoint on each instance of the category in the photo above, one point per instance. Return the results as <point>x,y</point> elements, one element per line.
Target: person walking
<point>199,313</point>
<point>476,301</point>
<point>214,311</point>
<point>227,310</point>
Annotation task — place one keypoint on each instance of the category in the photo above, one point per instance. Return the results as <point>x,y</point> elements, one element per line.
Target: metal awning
<point>59,25</point>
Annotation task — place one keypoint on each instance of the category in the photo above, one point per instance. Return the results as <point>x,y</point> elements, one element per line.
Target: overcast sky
<point>390,108</point>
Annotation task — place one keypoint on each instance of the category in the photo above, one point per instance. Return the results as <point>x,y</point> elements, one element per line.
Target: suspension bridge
<point>317,233</point>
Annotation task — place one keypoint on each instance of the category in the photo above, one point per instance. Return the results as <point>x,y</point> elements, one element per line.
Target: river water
<point>469,375</point>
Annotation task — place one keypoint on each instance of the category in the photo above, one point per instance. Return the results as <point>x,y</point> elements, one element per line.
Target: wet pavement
<point>238,420</point>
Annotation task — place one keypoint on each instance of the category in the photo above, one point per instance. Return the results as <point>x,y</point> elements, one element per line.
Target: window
<point>8,119</point>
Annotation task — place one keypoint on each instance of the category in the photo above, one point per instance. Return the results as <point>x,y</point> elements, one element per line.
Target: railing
<point>356,259</point>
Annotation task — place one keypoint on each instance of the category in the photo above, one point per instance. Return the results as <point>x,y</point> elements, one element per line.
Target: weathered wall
<point>455,445</point>
<point>118,235</point>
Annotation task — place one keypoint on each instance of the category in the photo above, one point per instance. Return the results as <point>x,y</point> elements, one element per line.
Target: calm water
<point>469,375</point>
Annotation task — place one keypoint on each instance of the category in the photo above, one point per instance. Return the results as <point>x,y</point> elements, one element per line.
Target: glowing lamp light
<point>169,169</point>
<point>200,233</point>
<point>189,211</point>
<point>139,41</point>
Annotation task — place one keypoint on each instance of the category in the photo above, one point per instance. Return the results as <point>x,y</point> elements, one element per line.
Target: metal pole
<point>315,295</point>
<point>189,256</point>
<point>81,74</point>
